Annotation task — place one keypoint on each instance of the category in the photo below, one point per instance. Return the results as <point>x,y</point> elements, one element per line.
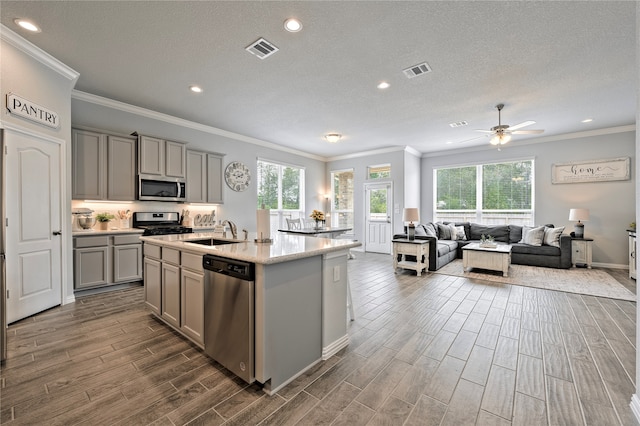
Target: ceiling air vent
<point>262,48</point>
<point>458,124</point>
<point>417,70</point>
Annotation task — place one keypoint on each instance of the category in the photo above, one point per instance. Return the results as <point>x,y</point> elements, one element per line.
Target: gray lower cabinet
<point>174,289</point>
<point>106,260</point>
<point>171,293</point>
<point>103,166</point>
<point>153,284</point>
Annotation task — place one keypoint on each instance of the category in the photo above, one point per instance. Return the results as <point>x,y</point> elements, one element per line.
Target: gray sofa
<point>444,247</point>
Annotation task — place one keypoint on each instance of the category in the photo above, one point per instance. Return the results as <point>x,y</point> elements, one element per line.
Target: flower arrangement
<point>317,215</point>
<point>487,241</point>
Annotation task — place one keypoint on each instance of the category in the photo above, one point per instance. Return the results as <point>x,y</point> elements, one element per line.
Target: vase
<point>317,225</point>
<point>103,226</point>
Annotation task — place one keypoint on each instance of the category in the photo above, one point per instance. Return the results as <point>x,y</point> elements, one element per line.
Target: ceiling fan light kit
<point>501,134</point>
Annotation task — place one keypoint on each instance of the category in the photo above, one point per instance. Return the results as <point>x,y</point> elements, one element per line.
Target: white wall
<point>611,204</point>
<point>239,207</point>
<point>25,74</point>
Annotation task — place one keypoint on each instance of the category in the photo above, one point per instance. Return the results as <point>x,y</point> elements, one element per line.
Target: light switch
<point>336,273</point>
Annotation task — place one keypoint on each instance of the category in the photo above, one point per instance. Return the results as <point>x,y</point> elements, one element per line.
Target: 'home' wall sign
<point>591,171</point>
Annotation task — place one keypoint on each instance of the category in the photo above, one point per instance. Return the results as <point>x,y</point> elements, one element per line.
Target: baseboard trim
<point>335,347</point>
<point>635,406</point>
<point>610,265</point>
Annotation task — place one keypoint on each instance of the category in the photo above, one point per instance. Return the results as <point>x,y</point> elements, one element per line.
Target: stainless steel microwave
<point>156,188</point>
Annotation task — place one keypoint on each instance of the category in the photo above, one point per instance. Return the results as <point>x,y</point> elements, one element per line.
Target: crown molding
<point>367,153</point>
<point>38,54</point>
<point>166,118</point>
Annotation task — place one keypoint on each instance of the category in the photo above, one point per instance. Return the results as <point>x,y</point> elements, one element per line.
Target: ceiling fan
<point>501,134</point>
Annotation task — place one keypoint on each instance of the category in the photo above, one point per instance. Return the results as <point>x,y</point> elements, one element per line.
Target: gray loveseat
<point>445,243</point>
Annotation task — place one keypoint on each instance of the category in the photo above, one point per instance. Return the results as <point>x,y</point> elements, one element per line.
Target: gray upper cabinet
<point>204,177</point>
<point>215,190</point>
<point>161,157</point>
<point>121,170</point>
<point>103,166</point>
<point>196,177</point>
<point>89,165</point>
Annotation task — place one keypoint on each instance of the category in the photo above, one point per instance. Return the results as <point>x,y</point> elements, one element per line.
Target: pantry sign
<point>31,111</point>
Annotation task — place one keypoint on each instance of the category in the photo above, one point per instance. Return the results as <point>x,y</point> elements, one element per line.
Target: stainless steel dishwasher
<point>229,314</point>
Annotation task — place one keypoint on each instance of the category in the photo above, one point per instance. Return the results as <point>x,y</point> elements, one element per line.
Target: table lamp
<point>579,215</point>
<point>409,215</point>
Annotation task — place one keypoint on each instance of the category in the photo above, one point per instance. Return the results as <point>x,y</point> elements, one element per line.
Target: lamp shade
<point>579,214</point>
<point>411,214</point>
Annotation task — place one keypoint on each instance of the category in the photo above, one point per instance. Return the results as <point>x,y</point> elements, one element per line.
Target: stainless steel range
<point>160,223</point>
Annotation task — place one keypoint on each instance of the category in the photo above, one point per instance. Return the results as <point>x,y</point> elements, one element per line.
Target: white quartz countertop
<point>112,231</point>
<point>283,248</point>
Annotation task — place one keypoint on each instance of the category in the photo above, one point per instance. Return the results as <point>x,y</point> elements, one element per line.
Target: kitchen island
<point>300,296</point>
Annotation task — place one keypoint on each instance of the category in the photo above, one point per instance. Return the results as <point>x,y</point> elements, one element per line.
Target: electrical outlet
<point>336,274</point>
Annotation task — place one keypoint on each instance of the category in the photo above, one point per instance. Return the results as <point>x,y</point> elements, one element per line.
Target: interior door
<point>34,245</point>
<point>378,220</point>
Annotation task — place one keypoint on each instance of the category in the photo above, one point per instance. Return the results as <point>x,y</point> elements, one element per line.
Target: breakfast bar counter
<point>298,298</point>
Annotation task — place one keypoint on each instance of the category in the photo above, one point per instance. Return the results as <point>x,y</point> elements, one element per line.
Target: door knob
<point>57,232</point>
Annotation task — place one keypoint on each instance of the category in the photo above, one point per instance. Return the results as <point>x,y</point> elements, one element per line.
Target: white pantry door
<point>378,220</point>
<point>34,245</point>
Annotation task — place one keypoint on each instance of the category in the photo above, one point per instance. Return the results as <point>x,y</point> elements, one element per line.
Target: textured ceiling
<point>553,62</point>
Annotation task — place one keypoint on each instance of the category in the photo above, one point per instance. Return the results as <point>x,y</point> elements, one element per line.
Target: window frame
<point>335,213</point>
<point>479,214</point>
<point>279,215</point>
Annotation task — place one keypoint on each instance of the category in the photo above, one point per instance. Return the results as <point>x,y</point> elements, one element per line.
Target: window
<point>342,198</point>
<point>280,188</point>
<point>382,171</point>
<point>487,193</point>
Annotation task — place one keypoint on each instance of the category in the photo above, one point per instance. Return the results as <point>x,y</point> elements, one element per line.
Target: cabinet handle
<point>57,232</point>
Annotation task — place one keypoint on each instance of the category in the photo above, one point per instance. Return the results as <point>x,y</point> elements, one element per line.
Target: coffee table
<point>494,259</point>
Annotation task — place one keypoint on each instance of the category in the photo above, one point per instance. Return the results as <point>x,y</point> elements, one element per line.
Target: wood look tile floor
<point>430,350</point>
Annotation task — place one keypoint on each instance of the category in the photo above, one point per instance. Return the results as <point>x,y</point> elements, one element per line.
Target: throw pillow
<point>552,236</point>
<point>420,231</point>
<point>431,230</point>
<point>532,236</point>
<point>444,231</point>
<point>460,235</point>
<point>453,231</point>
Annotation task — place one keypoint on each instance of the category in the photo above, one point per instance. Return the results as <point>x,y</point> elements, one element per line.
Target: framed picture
<point>592,171</point>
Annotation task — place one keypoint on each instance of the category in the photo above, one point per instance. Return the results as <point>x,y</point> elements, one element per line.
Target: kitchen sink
<point>212,242</point>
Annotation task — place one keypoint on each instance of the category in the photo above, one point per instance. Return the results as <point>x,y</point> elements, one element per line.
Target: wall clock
<point>237,176</point>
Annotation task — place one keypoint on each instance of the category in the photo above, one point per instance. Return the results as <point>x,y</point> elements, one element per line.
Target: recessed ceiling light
<point>333,137</point>
<point>587,120</point>
<point>383,85</point>
<point>27,25</point>
<point>195,89</point>
<point>292,25</point>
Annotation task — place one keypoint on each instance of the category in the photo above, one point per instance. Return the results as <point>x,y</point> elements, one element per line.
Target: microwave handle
<point>180,195</point>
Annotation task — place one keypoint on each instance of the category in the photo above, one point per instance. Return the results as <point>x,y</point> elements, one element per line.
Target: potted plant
<point>103,219</point>
<point>487,241</point>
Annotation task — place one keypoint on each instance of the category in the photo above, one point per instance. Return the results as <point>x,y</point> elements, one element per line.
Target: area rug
<point>593,282</point>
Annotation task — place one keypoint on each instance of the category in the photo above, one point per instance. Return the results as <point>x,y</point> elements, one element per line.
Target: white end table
<point>581,251</point>
<point>417,248</point>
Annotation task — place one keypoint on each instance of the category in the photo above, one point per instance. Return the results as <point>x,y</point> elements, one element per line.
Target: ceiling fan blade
<point>521,125</point>
<point>527,132</point>
<point>485,131</point>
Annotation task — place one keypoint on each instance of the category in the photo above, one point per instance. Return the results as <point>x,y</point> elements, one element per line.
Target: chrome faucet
<point>234,228</point>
